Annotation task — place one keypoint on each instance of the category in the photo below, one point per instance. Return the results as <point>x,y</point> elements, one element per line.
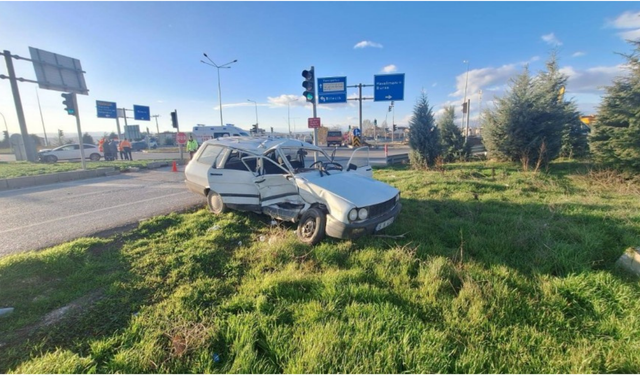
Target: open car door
<point>359,162</point>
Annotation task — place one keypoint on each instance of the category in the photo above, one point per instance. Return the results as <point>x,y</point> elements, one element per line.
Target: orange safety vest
<point>125,144</point>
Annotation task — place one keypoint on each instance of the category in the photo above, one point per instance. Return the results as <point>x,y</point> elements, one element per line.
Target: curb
<point>29,181</point>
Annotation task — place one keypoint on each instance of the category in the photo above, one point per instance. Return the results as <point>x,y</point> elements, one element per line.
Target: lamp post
<point>256,103</point>
<point>219,90</point>
<point>466,133</point>
<point>289,113</point>
<point>5,125</point>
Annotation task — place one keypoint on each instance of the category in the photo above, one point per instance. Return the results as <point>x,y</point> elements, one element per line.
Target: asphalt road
<point>44,216</point>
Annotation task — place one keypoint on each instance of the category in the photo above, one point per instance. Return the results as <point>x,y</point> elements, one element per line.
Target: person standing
<point>192,146</point>
<point>126,145</point>
<point>114,149</point>
<point>106,147</point>
<point>121,150</point>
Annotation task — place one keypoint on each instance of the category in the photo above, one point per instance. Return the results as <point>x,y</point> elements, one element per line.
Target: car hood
<point>356,189</point>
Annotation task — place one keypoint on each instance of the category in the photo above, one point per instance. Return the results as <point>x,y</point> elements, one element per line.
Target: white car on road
<point>70,152</point>
<point>293,181</point>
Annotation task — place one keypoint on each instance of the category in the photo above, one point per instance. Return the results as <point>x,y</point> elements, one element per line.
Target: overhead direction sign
<point>141,112</point>
<point>388,87</point>
<point>58,72</point>
<point>106,109</point>
<point>332,90</point>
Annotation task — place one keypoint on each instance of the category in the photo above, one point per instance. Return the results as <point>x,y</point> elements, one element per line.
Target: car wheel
<point>50,159</point>
<point>311,228</point>
<point>215,203</point>
<point>94,157</point>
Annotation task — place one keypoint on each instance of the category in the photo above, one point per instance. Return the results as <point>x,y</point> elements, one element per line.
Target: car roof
<point>260,145</point>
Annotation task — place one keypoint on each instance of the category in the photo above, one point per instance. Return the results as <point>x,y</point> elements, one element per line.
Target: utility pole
<point>157,127</point>
<point>46,140</point>
<point>360,99</point>
<point>468,115</point>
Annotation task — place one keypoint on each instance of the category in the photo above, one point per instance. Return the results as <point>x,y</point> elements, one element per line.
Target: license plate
<point>384,224</point>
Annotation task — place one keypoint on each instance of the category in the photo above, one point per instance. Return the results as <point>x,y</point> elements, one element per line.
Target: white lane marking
<point>91,212</point>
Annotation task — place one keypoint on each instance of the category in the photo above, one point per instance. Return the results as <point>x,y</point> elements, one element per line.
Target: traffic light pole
<point>360,99</point>
<point>80,140</point>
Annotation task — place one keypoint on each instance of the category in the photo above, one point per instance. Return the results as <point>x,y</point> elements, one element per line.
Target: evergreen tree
<point>424,137</point>
<point>526,124</point>
<point>86,138</point>
<point>564,121</point>
<point>451,139</point>
<point>615,136</point>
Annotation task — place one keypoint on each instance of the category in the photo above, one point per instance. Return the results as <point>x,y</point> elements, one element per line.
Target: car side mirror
<point>351,167</point>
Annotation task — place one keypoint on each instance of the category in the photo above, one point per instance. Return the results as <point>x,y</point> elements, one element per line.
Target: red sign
<point>314,122</point>
<point>181,138</point>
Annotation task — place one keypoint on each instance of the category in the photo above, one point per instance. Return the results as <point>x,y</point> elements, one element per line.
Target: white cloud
<point>552,40</point>
<point>485,77</point>
<point>591,80</point>
<point>389,68</point>
<point>578,54</point>
<point>627,20</point>
<point>630,35</point>
<point>367,43</point>
<point>282,100</point>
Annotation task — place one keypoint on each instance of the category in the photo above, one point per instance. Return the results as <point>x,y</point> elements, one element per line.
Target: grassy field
<point>498,271</point>
<point>23,168</point>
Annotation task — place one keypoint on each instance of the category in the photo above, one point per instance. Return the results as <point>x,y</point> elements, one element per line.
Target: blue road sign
<point>332,90</point>
<point>388,87</point>
<point>356,132</point>
<point>141,112</point>
<point>106,109</point>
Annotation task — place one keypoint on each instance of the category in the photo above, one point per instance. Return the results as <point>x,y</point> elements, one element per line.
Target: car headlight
<point>363,213</point>
<point>353,214</point>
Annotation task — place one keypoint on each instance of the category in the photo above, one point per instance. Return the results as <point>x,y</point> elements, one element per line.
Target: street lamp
<point>219,91</point>
<point>465,99</point>
<point>256,103</point>
<point>289,112</point>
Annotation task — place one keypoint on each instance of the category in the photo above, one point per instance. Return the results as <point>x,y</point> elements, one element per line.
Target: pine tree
<point>87,138</point>
<point>424,137</point>
<point>615,136</point>
<point>451,139</point>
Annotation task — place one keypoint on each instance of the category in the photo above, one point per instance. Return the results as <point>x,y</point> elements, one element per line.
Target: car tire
<point>311,228</point>
<point>50,159</point>
<point>94,157</point>
<point>215,203</point>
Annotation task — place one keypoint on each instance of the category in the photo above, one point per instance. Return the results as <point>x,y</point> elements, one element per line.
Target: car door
<point>69,152</point>
<point>232,177</point>
<point>275,183</point>
<point>359,162</point>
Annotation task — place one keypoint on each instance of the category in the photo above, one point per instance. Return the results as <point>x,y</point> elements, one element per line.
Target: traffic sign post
<point>388,87</point>
<point>332,90</point>
<point>314,122</point>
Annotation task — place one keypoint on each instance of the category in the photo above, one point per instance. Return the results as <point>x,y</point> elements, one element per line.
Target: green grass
<point>23,168</point>
<point>519,280</point>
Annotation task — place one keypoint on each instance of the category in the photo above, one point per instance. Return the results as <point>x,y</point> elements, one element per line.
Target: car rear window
<point>334,134</point>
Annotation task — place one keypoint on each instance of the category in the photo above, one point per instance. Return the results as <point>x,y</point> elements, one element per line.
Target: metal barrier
<point>397,159</point>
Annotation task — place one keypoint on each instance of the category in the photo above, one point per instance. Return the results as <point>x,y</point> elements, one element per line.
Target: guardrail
<point>397,159</point>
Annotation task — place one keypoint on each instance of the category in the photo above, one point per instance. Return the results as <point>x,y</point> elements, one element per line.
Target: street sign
<point>106,109</point>
<point>332,90</point>
<point>356,132</point>
<point>181,138</point>
<point>141,112</point>
<point>314,122</point>
<point>388,87</point>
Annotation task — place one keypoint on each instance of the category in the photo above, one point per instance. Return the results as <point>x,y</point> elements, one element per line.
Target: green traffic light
<point>309,96</point>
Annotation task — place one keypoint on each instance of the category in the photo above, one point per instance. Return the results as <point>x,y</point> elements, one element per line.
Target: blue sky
<point>148,53</point>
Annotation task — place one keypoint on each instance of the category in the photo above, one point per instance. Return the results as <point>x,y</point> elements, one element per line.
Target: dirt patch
<point>76,306</point>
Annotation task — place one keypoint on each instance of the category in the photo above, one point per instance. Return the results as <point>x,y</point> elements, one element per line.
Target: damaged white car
<point>294,181</point>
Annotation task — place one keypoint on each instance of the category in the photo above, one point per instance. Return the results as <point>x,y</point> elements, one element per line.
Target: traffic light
<point>70,103</point>
<point>309,85</point>
<point>395,127</point>
<point>464,107</point>
<point>375,123</point>
<point>255,128</point>
<point>174,119</point>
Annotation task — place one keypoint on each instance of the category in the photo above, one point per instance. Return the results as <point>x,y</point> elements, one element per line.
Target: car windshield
<point>302,159</point>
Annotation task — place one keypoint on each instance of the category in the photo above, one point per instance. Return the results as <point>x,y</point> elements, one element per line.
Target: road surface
<point>44,216</point>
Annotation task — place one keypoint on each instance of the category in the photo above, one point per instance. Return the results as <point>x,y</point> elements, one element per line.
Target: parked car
<point>70,152</point>
<point>142,145</point>
<point>294,181</point>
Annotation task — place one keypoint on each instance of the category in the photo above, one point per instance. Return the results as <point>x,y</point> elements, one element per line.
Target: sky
<point>149,53</point>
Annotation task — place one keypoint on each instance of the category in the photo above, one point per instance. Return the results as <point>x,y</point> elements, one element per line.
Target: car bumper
<point>338,229</point>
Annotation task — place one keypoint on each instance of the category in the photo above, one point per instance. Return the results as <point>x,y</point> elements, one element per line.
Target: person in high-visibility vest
<point>192,146</point>
<point>126,146</point>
